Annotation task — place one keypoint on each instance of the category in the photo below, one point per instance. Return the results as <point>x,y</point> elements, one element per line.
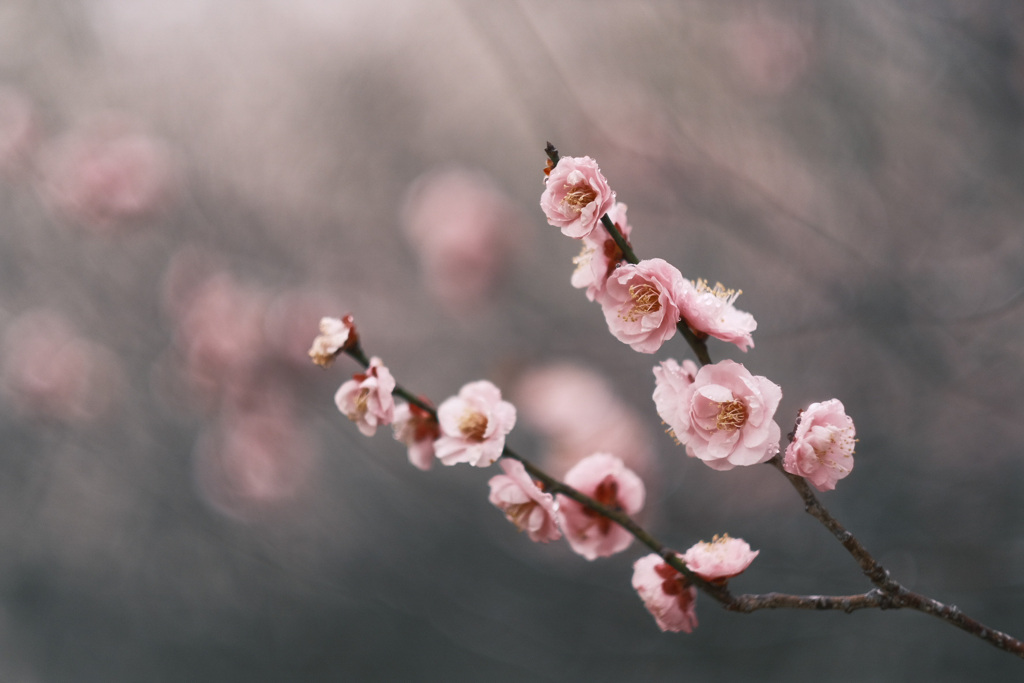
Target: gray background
<point>855,168</point>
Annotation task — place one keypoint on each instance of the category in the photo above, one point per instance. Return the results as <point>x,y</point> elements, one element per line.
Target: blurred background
<point>187,186</point>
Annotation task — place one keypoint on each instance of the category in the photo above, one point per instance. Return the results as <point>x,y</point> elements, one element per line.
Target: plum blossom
<point>721,559</point>
<point>578,412</point>
<point>724,416</point>
<point>641,303</point>
<point>666,593</point>
<point>336,335</point>
<point>670,381</point>
<point>417,429</point>
<point>576,195</point>
<point>822,445</point>
<point>465,233</point>
<point>523,502</point>
<point>710,310</point>
<point>366,399</point>
<point>107,175</point>
<point>600,254</point>
<point>474,425</point>
<point>607,480</point>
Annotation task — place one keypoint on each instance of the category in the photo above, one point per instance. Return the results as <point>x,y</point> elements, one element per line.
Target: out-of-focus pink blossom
<point>607,480</point>
<point>721,559</point>
<point>724,417</point>
<point>710,310</point>
<point>578,413</point>
<point>366,399</point>
<point>822,446</point>
<point>417,429</point>
<point>575,196</point>
<point>336,334</point>
<point>770,53</point>
<point>48,370</point>
<point>474,425</point>
<point>17,130</point>
<point>600,254</point>
<point>220,332</point>
<point>108,175</point>
<point>465,231</point>
<point>666,594</point>
<point>253,459</point>
<point>641,303</point>
<point>523,502</point>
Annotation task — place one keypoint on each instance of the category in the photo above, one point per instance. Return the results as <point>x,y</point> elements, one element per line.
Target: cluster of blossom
<point>720,412</point>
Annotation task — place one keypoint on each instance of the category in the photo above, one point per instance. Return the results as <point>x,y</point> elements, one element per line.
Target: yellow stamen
<point>473,425</point>
<point>731,415</point>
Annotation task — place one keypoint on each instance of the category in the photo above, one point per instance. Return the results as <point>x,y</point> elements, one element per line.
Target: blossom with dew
<point>336,335</point>
<point>474,425</point>
<point>641,303</point>
<point>666,593</point>
<point>367,399</point>
<point>600,254</point>
<point>607,480</point>
<point>524,503</point>
<point>721,559</point>
<point>822,446</point>
<point>576,195</point>
<point>417,429</point>
<point>709,310</point>
<point>724,416</point>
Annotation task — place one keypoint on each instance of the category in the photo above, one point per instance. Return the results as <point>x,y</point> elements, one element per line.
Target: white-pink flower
<point>576,195</point>
<point>710,310</point>
<point>666,594</point>
<point>607,480</point>
<point>336,334</point>
<point>523,502</point>
<point>600,254</point>
<point>367,399</point>
<point>417,429</point>
<point>640,303</point>
<point>474,425</point>
<point>822,446</point>
<point>721,559</point>
<point>724,416</point>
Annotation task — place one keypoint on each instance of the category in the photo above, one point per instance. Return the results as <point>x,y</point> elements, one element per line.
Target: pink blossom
<point>465,232</point>
<point>666,594</point>
<point>474,425</point>
<point>721,559</point>
<point>724,416</point>
<point>108,175</point>
<point>366,398</point>
<point>640,303</point>
<point>48,370</point>
<point>578,412</point>
<point>822,446</point>
<point>671,381</point>
<point>253,459</point>
<point>336,335</point>
<point>607,480</point>
<point>417,429</point>
<point>710,310</point>
<point>523,502</point>
<point>576,195</point>
<point>600,254</point>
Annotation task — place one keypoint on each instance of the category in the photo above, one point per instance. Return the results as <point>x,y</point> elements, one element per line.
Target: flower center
<point>519,513</point>
<point>646,299</point>
<point>473,425</point>
<point>731,415</point>
<point>718,291</point>
<point>606,493</point>
<point>578,197</point>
